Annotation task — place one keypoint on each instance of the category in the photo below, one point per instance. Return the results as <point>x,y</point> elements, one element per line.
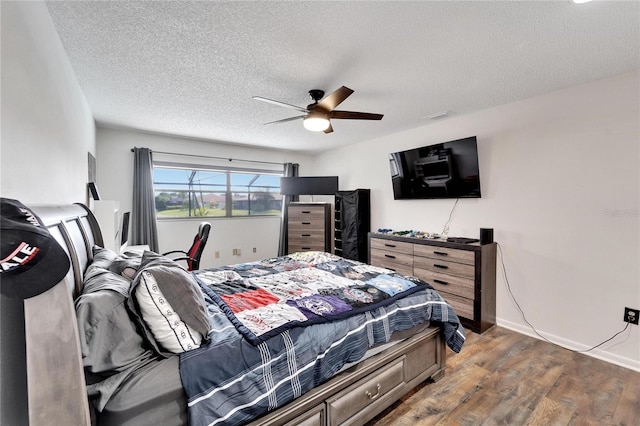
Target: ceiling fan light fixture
<point>316,122</point>
<point>320,112</point>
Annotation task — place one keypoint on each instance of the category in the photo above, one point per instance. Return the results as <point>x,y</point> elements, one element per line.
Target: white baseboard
<point>632,364</point>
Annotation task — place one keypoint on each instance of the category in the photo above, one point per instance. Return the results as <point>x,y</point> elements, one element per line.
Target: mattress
<point>153,395</point>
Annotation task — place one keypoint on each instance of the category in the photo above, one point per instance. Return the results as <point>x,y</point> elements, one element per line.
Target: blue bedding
<point>240,374</point>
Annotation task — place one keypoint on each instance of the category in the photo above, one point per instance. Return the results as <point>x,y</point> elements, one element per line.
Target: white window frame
<point>228,190</point>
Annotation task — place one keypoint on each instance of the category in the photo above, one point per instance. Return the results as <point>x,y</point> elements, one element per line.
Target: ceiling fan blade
<point>353,115</point>
<point>282,104</point>
<point>335,98</point>
<point>284,120</point>
<point>329,129</point>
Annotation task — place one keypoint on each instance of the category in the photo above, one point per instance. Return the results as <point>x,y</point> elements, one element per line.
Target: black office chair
<point>192,256</point>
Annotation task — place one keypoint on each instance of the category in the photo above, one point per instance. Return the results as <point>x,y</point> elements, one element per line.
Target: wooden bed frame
<point>55,376</point>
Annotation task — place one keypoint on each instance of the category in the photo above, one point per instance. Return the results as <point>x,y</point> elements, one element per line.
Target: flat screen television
<point>309,185</point>
<point>443,170</point>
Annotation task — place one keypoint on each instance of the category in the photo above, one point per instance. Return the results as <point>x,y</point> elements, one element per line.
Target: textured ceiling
<point>191,68</point>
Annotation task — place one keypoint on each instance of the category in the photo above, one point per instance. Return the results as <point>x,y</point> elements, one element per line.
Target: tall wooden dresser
<point>463,274</point>
<point>308,227</point>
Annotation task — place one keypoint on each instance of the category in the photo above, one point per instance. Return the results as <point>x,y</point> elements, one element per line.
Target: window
<point>216,192</point>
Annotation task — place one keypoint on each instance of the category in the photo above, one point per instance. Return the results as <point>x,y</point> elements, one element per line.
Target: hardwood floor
<point>505,378</point>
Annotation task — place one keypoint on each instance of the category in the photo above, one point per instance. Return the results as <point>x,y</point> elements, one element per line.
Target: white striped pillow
<point>165,324</point>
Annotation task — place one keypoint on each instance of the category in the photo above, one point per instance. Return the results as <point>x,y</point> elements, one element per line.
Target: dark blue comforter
<point>241,375</point>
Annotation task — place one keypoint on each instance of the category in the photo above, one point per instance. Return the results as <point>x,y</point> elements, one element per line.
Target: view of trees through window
<point>215,193</point>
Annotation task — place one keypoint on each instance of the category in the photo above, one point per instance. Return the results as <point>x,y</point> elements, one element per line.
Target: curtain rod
<point>211,156</point>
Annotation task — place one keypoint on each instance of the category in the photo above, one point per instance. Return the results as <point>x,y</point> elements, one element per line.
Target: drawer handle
<point>306,235</point>
<point>306,223</point>
<point>440,282</point>
<point>389,245</point>
<point>305,211</point>
<point>440,266</point>
<point>370,395</point>
<point>441,253</point>
<point>305,248</point>
<point>389,256</point>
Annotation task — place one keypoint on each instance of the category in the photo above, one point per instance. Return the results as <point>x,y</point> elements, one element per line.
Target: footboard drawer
<point>313,417</point>
<point>367,394</point>
<point>353,398</point>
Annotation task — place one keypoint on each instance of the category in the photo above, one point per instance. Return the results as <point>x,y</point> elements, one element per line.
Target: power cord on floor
<point>524,317</point>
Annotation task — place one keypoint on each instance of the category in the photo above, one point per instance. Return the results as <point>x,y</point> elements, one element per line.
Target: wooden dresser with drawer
<point>308,227</point>
<point>463,274</point>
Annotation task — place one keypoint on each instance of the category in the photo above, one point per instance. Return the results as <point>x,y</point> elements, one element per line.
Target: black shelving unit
<point>352,223</point>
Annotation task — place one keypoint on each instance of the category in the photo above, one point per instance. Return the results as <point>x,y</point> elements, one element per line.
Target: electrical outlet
<point>217,255</point>
<point>255,249</point>
<point>631,315</point>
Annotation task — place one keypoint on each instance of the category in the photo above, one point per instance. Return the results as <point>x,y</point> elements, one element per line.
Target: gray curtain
<point>290,170</point>
<point>143,214</point>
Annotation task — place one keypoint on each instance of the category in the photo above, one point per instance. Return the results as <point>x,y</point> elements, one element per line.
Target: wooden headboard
<point>77,231</point>
<point>55,377</point>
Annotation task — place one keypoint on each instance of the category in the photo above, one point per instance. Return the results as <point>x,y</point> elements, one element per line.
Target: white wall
<point>46,132</point>
<point>560,185</point>
<point>115,182</point>
<point>47,127</point>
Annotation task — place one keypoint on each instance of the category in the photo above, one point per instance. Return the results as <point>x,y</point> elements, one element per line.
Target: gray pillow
<point>106,261</point>
<point>168,306</point>
<point>111,347</point>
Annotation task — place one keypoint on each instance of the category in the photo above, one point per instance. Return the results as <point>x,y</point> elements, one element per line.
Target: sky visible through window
<point>179,179</point>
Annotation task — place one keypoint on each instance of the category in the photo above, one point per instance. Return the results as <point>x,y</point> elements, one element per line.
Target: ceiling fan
<point>317,115</point>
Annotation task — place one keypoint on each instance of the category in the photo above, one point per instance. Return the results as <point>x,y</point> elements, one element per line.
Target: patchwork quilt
<point>263,299</point>
<point>285,325</point>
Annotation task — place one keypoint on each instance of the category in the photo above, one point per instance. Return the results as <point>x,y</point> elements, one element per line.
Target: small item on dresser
<point>462,240</point>
<point>486,235</point>
<point>32,260</point>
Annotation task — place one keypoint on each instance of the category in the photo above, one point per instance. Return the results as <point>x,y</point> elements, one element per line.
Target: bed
<point>304,361</point>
